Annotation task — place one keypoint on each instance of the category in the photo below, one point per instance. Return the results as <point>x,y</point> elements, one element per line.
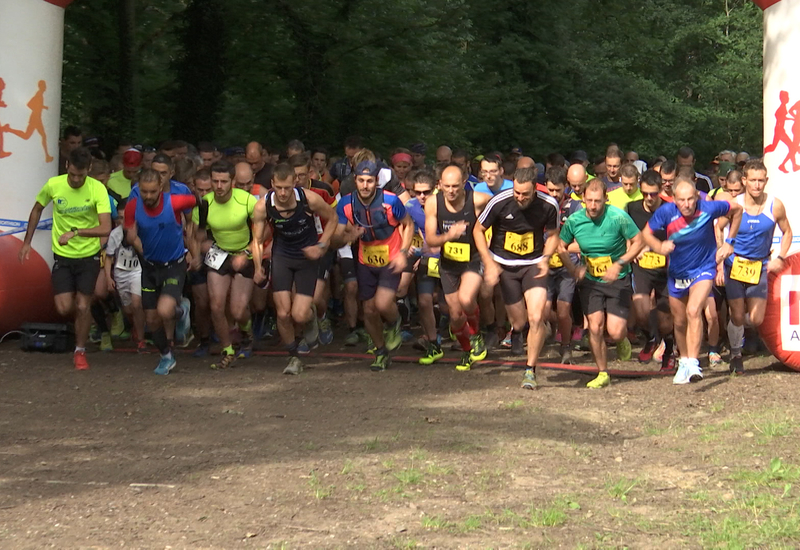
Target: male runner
<point>296,252</point>
<point>519,219</point>
<point>227,212</point>
<point>449,223</point>
<point>693,257</point>
<point>746,269</point>
<point>609,241</point>
<point>628,190</point>
<point>198,279</point>
<point>650,277</point>
<point>157,236</point>
<point>384,229</point>
<point>613,164</point>
<point>81,215</point>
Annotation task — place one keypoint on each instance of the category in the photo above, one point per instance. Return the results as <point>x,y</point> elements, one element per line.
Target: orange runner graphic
<point>3,128</point>
<point>35,123</point>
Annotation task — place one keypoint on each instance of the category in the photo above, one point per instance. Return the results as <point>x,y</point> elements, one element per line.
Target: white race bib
<point>215,257</point>
<point>127,260</point>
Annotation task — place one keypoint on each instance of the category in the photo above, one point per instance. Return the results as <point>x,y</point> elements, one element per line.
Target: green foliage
<point>650,75</point>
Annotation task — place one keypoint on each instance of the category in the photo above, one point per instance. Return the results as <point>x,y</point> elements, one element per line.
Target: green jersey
<point>229,221</point>
<point>78,208</point>
<point>602,241</point>
<point>119,184</point>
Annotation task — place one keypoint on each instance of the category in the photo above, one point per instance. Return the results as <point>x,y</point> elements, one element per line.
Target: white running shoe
<point>695,372</point>
<point>682,374</point>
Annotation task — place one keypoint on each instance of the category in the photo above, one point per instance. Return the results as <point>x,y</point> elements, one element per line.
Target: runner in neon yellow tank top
<point>227,213</point>
<point>81,215</point>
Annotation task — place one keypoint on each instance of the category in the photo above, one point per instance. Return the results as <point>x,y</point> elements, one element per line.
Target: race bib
<point>519,243</point>
<point>318,225</point>
<point>457,252</point>
<point>746,271</point>
<point>597,267</point>
<point>417,241</point>
<point>683,284</point>
<point>215,257</point>
<point>555,261</point>
<point>376,255</point>
<point>433,267</point>
<point>651,260</point>
<point>127,259</point>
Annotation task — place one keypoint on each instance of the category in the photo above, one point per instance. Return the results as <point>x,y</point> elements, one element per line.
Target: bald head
<point>525,162</point>
<point>685,185</point>
<point>452,174</point>
<point>576,177</point>
<point>444,155</point>
<point>254,154</point>
<point>243,179</point>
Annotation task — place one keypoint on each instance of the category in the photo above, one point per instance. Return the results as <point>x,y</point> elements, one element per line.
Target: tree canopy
<point>546,76</point>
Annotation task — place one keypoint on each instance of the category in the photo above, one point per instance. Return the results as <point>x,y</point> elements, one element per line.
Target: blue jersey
<point>754,240</point>
<point>483,187</point>
<point>175,188</point>
<point>417,214</point>
<point>161,235</point>
<point>695,242</point>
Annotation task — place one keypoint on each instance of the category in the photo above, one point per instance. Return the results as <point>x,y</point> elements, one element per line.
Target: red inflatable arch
<point>781,327</point>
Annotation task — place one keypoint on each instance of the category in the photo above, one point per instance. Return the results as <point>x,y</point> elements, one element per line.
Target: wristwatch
<point>621,262</point>
<point>322,245</point>
<point>74,231</point>
<point>730,241</point>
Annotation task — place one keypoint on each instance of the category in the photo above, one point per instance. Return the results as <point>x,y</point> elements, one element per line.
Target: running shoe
<point>295,366</point>
<point>682,375</point>
<point>465,363</point>
<point>602,380</point>
<point>184,322</point>
<point>381,362</point>
<point>352,338</point>
<point>624,350</point>
<point>584,344</point>
<point>506,342</point>
<point>94,335</point>
<point>325,332</point>
<point>714,359</point>
<point>647,351</point>
<point>124,335</point>
<point>105,342</point>
<point>371,347</point>
<point>737,365</point>
<point>406,336</point>
<point>421,344</point>
<point>118,325</point>
<point>245,349</point>
<point>165,364</point>
<point>667,363</point>
<point>141,347</point>
<point>491,339</point>
<point>478,348</point>
<point>517,344</point>
<point>392,336</point>
<point>303,348</point>
<point>695,372</point>
<point>658,354</point>
<point>566,355</point>
<point>432,354</point>
<point>79,360</point>
<point>201,350</point>
<point>225,362</point>
<point>529,380</point>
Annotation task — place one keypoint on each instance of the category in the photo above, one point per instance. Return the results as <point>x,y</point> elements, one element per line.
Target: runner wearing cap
<point>121,182</point>
<point>418,152</point>
<point>746,269</point>
<point>608,241</point>
<point>81,216</point>
<point>384,230</point>
<point>693,257</point>
<point>518,256</point>
<point>293,213</point>
<point>227,213</point>
<point>449,222</point>
<point>157,236</point>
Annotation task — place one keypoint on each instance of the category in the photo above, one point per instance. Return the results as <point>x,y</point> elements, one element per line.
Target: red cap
<point>132,158</point>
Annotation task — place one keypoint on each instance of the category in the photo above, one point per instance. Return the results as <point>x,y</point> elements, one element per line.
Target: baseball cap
<point>132,158</point>
<point>578,156</point>
<point>419,148</point>
<point>366,168</point>
<point>725,167</point>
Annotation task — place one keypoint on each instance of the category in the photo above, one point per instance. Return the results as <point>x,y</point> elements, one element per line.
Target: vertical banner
<point>782,105</point>
<point>31,39</point>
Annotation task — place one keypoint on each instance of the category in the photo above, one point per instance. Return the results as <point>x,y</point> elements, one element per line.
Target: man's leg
<point>83,318</point>
<point>597,341</point>
<point>468,290</point>
<point>218,286</point>
<point>202,318</point>
<point>695,306</point>
<point>535,302</point>
<point>163,336</point>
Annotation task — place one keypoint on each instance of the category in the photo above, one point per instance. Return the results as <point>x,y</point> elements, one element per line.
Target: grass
<point>372,445</point>
<point>621,488</point>
<point>770,426</point>
<point>776,473</point>
<point>321,492</point>
<point>409,476</point>
<point>403,543</point>
<point>348,467</point>
<point>514,405</point>
<point>436,523</point>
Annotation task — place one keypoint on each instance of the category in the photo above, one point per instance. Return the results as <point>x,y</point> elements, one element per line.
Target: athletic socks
<point>99,316</point>
<point>462,334</point>
<point>160,341</point>
<point>736,338</point>
<point>292,348</point>
<point>474,322</point>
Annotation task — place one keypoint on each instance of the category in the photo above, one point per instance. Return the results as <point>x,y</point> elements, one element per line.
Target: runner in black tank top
<point>449,223</point>
<point>296,251</point>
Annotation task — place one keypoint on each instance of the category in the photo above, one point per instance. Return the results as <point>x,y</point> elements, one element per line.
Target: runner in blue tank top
<point>693,255</point>
<point>746,269</point>
<point>157,236</point>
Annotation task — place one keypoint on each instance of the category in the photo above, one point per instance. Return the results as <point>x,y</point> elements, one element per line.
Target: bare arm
<point>325,212</point>
<point>33,221</point>
<point>132,236</point>
<point>256,245</point>
<point>779,211</point>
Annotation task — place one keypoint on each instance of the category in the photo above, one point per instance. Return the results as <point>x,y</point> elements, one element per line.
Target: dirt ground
<point>412,457</point>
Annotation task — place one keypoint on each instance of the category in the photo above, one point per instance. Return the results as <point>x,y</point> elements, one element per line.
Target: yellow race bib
<point>457,252</point>
<point>651,260</point>
<point>746,271</point>
<point>555,261</point>
<point>376,255</point>
<point>519,243</point>
<point>417,241</point>
<point>597,267</point>
<point>433,267</point>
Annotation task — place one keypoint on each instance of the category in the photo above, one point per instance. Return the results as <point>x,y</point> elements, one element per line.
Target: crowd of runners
<point>192,246</point>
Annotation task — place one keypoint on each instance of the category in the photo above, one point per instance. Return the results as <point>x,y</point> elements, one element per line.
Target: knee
<point>617,333</point>
<point>166,310</point>
<point>693,311</point>
<point>283,315</point>
<point>425,301</point>
<point>370,308</point>
<point>82,307</point>
<point>64,308</point>
<point>756,318</point>
<point>596,326</point>
<point>301,316</point>
<point>534,317</point>
<point>350,288</point>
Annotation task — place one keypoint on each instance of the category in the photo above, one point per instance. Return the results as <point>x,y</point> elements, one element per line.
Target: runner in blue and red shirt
<point>693,257</point>
<point>380,222</point>
<point>157,236</point>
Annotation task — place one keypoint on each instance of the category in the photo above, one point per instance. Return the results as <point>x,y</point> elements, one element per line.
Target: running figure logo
<point>35,122</point>
<point>783,115</point>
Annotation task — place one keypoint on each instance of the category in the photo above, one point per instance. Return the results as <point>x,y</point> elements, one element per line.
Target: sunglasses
<point>650,194</point>
<point>423,193</point>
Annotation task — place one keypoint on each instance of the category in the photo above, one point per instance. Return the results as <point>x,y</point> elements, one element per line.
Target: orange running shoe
<point>79,358</point>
